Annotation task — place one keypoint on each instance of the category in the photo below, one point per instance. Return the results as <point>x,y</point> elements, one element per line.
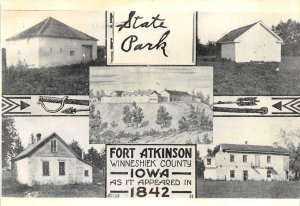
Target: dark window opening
<point>62,168</point>
<point>72,53</point>
<point>53,146</point>
<point>244,158</point>
<point>231,158</point>
<point>46,169</point>
<point>208,161</point>
<point>232,175</point>
<point>86,173</point>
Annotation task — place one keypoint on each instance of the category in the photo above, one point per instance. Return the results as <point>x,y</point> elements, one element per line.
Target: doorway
<point>86,53</point>
<point>245,175</point>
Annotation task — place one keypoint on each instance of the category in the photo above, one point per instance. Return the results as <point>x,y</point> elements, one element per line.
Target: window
<point>60,50</point>
<point>244,158</point>
<point>46,169</point>
<point>232,173</point>
<point>72,53</point>
<point>208,161</point>
<point>86,173</point>
<point>268,173</point>
<point>231,158</point>
<point>53,146</point>
<point>268,159</point>
<point>62,168</point>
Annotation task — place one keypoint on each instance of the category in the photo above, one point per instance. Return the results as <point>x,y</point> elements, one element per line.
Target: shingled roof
<point>179,93</point>
<point>37,145</point>
<point>254,149</point>
<point>140,92</point>
<point>232,35</point>
<point>51,27</point>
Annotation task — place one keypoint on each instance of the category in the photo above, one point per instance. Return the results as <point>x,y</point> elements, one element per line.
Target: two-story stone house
<point>248,162</point>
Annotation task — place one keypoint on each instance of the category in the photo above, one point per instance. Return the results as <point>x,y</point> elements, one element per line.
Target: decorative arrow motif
<point>10,104</point>
<point>278,105</point>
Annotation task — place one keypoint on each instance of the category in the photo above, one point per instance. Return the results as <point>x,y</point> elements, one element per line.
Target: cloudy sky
<point>255,130</point>
<point>68,128</point>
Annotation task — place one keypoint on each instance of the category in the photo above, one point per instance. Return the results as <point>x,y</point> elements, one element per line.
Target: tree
<point>95,158</point>
<point>137,114</point>
<point>76,147</point>
<point>32,138</point>
<point>183,124</point>
<point>127,115</point>
<point>290,33</point>
<point>214,151</point>
<point>163,118</point>
<point>18,146</point>
<point>9,135</point>
<point>200,167</point>
<point>291,141</point>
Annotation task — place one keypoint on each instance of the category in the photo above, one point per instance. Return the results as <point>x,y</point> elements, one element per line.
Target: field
<point>232,78</point>
<point>64,80</point>
<point>10,188</point>
<point>248,189</point>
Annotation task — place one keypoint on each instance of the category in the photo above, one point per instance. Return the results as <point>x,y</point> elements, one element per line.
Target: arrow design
<point>9,104</point>
<point>293,105</point>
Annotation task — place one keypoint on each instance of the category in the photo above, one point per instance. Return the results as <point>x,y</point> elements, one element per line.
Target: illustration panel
<point>50,157</point>
<point>49,52</point>
<point>151,105</point>
<point>253,53</point>
<point>249,158</point>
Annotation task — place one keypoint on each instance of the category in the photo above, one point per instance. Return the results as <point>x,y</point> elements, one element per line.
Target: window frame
<point>72,53</point>
<point>208,162</point>
<point>46,170</point>
<point>232,174</point>
<point>231,157</point>
<point>86,173</point>
<point>269,173</point>
<point>53,147</point>
<point>269,159</point>
<point>61,170</point>
<point>245,158</point>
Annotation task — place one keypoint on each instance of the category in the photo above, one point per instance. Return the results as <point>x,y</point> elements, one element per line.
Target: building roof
<point>39,144</point>
<point>51,27</point>
<point>254,149</point>
<point>232,35</point>
<point>140,92</point>
<point>179,93</point>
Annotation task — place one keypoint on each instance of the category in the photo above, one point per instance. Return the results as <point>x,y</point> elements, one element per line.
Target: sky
<point>89,22</point>
<point>68,128</point>
<point>214,25</point>
<point>254,130</point>
<point>158,78</point>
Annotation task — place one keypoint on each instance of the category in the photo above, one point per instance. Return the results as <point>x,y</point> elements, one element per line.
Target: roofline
<point>11,39</point>
<point>256,152</point>
<point>47,139</point>
<point>272,32</point>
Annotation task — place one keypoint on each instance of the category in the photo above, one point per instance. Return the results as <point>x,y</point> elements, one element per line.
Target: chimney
<point>246,142</point>
<point>82,154</point>
<point>38,137</point>
<point>275,144</point>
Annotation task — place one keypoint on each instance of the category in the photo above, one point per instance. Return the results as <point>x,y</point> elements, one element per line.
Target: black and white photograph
<point>252,53</point>
<point>49,52</point>
<point>41,158</point>
<point>151,105</point>
<point>250,158</point>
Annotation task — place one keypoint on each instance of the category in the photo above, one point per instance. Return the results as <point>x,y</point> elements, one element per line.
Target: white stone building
<point>50,43</point>
<point>248,162</point>
<point>255,42</point>
<point>50,161</point>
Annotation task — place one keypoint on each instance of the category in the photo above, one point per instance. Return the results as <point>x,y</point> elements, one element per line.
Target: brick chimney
<point>275,144</point>
<point>246,142</point>
<point>38,137</point>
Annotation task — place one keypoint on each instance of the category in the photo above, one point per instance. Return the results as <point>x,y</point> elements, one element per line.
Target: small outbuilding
<point>50,43</point>
<point>50,161</point>
<point>254,42</point>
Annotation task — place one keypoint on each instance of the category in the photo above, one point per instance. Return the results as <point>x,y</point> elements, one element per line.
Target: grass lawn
<point>64,80</point>
<point>232,78</point>
<point>11,188</point>
<point>248,189</point>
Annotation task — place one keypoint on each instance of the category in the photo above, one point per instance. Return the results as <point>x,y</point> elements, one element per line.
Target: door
<point>86,53</point>
<point>245,175</point>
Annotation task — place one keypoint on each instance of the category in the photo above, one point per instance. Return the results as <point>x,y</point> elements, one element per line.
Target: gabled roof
<point>179,93</point>
<point>39,144</point>
<point>139,92</point>
<point>234,34</point>
<point>51,27</point>
<point>254,149</point>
